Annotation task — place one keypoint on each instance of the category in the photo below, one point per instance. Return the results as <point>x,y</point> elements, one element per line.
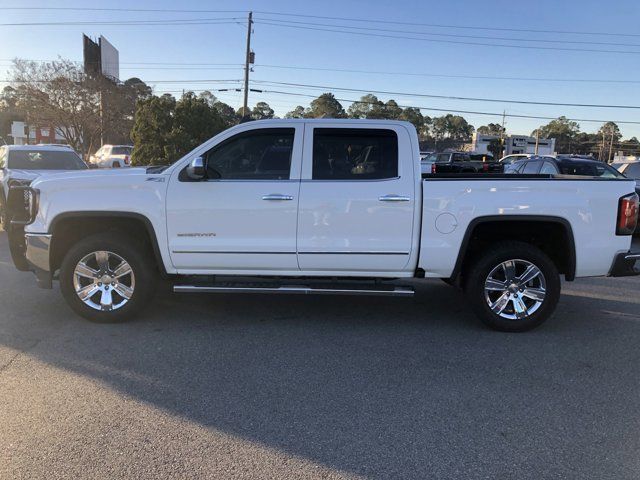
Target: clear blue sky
<point>287,47</point>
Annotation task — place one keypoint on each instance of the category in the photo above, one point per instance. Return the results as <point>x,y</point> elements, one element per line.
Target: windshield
<point>44,160</point>
<point>430,158</point>
<point>121,151</point>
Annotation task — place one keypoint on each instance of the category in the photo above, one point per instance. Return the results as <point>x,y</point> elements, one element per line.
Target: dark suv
<point>460,162</point>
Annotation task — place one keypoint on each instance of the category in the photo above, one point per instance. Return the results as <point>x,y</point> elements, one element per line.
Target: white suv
<point>112,156</point>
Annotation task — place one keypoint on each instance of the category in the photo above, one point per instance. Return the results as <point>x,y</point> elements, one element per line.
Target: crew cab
<point>458,162</point>
<point>320,207</point>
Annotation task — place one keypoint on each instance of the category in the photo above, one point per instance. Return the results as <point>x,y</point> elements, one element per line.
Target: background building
<point>515,144</point>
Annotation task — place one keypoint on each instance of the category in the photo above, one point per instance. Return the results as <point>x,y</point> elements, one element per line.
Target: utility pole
<point>601,155</point>
<point>247,61</point>
<point>537,140</point>
<point>504,114</point>
<point>610,146</point>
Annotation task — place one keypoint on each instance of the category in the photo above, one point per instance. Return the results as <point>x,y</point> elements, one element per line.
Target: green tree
<point>367,107</point>
<point>563,130</point>
<point>194,122</point>
<point>298,112</point>
<point>496,148</point>
<point>262,111</point>
<point>491,129</point>
<point>152,123</point>
<point>391,110</point>
<point>414,116</point>
<point>453,127</point>
<point>326,106</point>
<point>165,129</point>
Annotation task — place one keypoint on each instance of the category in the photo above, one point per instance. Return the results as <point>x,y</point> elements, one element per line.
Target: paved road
<point>319,387</point>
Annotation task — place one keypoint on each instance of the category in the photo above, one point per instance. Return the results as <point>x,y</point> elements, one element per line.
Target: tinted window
<point>548,168</point>
<point>45,160</point>
<point>254,155</point>
<point>532,167</point>
<point>443,158</point>
<point>633,170</point>
<point>458,157</point>
<point>354,154</point>
<point>121,151</point>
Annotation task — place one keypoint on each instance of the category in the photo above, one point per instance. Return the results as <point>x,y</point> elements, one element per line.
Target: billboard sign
<point>101,58</point>
<point>110,59</point>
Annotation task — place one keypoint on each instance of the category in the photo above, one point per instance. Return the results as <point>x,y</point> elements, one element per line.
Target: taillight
<point>433,168</point>
<point>627,214</point>
<point>485,167</point>
<point>126,159</point>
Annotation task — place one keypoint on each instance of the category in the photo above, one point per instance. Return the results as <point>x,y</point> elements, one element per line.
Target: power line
<point>469,112</point>
<point>475,77</point>
<point>181,65</point>
<point>455,42</point>
<point>449,97</point>
<point>456,35</point>
<point>195,21</point>
<point>324,17</point>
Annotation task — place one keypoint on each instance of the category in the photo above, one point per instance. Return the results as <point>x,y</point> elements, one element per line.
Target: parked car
<point>112,156</point>
<point>285,206</point>
<point>564,165</point>
<point>21,164</point>
<point>458,162</point>
<point>509,159</point>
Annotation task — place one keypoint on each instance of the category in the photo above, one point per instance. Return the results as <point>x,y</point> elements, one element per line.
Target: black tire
<point>141,263</point>
<point>478,273</point>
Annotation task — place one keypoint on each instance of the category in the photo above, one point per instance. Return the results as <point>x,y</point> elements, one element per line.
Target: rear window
<point>443,158</point>
<point>354,154</point>
<point>633,170</point>
<point>121,151</point>
<point>44,160</point>
<point>590,169</point>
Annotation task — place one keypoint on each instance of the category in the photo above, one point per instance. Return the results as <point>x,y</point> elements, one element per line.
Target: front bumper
<point>37,254</point>
<point>626,265</point>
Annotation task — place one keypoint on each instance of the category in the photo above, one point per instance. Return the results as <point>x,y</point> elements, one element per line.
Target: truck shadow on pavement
<point>379,387</point>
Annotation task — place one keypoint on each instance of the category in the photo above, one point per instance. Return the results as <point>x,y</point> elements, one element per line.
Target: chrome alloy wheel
<point>515,289</point>
<point>104,281</point>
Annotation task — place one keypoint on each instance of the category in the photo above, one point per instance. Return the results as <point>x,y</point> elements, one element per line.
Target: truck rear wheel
<point>107,278</point>
<point>514,287</point>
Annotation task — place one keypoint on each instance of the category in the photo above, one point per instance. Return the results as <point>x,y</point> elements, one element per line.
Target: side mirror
<point>196,169</point>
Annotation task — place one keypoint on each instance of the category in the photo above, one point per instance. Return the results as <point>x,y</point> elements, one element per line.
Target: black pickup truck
<point>458,162</point>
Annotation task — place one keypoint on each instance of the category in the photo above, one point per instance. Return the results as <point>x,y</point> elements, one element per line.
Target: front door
<point>243,216</point>
<point>357,200</point>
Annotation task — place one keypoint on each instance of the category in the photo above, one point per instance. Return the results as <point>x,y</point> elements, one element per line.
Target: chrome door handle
<point>394,198</point>
<point>277,196</point>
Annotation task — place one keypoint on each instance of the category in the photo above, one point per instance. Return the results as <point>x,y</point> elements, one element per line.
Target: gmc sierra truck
<point>320,207</point>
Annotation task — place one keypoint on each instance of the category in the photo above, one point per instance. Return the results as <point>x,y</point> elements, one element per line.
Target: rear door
<point>357,199</point>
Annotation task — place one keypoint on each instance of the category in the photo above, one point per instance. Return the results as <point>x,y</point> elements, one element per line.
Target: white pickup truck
<point>320,206</point>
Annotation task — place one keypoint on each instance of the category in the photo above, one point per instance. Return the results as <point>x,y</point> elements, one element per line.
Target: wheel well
<point>553,236</point>
<point>69,230</point>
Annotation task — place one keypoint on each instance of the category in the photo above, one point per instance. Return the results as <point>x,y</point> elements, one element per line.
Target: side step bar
<point>304,290</point>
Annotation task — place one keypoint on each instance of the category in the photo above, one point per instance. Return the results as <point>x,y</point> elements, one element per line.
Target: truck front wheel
<point>514,287</point>
<point>107,278</point>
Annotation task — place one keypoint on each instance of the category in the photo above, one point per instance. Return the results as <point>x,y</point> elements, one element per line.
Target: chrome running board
<point>294,289</point>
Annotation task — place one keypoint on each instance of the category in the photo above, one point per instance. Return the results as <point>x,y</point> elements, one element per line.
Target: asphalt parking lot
<point>319,387</point>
